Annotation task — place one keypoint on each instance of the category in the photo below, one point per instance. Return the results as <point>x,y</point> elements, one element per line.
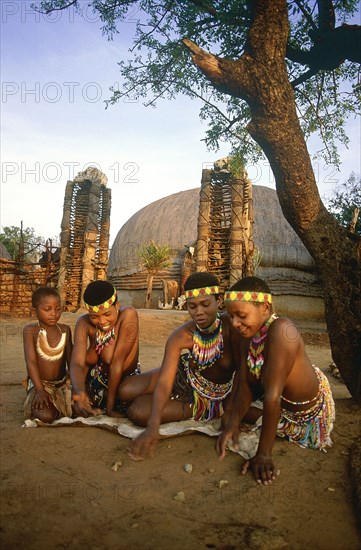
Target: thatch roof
<point>4,253</point>
<point>173,221</point>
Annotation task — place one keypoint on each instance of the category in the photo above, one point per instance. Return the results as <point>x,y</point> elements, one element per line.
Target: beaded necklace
<point>44,349</point>
<point>255,358</point>
<point>103,339</point>
<point>208,344</point>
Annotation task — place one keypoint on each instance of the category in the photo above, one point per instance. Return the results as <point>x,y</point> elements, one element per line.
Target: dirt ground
<point>58,489</point>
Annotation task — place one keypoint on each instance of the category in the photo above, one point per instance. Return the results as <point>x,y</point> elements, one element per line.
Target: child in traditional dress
<point>274,366</point>
<point>191,385</point>
<point>106,349</point>
<point>47,350</point>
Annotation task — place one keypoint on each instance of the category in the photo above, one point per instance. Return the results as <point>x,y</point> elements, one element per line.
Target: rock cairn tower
<point>84,235</point>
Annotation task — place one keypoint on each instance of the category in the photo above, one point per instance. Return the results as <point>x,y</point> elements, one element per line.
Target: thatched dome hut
<point>284,261</point>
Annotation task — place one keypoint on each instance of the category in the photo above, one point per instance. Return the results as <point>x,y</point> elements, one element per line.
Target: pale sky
<point>56,72</point>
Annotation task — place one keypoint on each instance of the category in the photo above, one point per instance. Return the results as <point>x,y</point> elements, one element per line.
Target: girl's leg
<point>137,385</point>
<point>252,415</point>
<point>174,411</point>
<point>46,415</point>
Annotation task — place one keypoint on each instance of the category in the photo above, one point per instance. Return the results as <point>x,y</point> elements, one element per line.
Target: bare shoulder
<point>182,334</point>
<point>64,328</point>
<point>128,312</point>
<point>284,330</point>
<point>31,328</point>
<point>83,325</point>
<point>83,320</point>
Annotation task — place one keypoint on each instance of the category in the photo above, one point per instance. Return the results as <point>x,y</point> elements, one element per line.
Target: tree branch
<point>355,215</point>
<point>306,14</point>
<point>50,10</point>
<point>326,15</point>
<point>329,52</point>
<point>220,71</point>
<point>205,7</point>
<point>303,77</point>
<point>208,63</point>
<point>155,27</point>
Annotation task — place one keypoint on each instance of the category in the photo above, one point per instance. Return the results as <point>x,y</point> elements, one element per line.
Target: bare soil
<point>58,489</point>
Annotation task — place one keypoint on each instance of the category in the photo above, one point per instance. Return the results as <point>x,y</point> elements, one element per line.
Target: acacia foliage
<point>19,241</point>
<point>323,58</point>
<point>345,199</point>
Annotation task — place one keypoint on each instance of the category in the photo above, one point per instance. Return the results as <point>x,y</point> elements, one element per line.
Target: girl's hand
<point>230,426</point>
<point>224,437</point>
<point>144,444</point>
<point>83,407</point>
<point>41,401</point>
<point>262,467</point>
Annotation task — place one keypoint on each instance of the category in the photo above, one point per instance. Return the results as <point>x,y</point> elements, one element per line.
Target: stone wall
<point>18,282</point>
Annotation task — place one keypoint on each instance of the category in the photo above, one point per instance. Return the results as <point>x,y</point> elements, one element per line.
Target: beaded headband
<point>204,291</point>
<point>104,306</point>
<point>247,296</point>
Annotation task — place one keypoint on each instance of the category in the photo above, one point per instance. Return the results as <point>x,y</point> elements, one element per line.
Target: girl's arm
<point>281,355</point>
<point>41,396</point>
<point>78,369</point>
<point>68,345</point>
<point>126,351</point>
<point>146,442</point>
<point>239,399</point>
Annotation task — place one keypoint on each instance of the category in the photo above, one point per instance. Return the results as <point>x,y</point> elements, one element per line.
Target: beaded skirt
<point>205,396</point>
<point>311,427</point>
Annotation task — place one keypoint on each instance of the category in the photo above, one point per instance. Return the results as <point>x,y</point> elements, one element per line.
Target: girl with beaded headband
<point>47,350</point>
<point>296,401</point>
<point>197,370</point>
<point>106,350</point>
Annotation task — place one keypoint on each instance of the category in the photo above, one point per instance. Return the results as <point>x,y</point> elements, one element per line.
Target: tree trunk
<point>260,78</point>
<point>148,298</point>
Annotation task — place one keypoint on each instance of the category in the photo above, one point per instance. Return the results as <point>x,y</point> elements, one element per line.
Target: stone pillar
<point>104,235</point>
<point>65,241</point>
<point>241,237</point>
<point>91,237</point>
<point>203,221</point>
<point>84,236</point>
<point>236,234</point>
